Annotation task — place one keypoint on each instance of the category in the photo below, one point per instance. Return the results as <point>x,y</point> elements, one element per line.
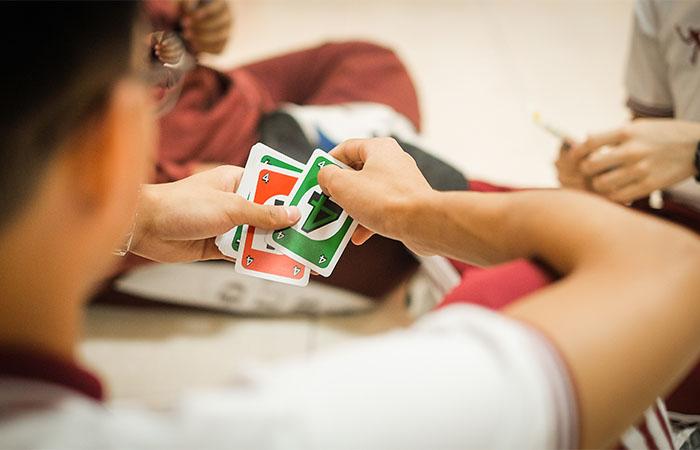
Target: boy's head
<point>76,137</point>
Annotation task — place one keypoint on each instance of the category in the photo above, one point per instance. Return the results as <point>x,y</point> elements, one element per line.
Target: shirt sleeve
<point>462,378</point>
<point>648,88</point>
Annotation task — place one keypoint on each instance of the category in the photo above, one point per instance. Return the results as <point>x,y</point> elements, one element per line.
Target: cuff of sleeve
<point>644,110</point>
<point>562,388</point>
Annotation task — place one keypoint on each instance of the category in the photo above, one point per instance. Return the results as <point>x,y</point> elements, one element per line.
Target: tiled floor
<point>482,67</point>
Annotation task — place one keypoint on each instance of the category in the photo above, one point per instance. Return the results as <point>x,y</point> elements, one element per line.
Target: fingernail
<point>293,213</point>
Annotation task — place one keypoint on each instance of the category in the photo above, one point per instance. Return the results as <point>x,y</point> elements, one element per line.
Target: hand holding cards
<point>316,241</point>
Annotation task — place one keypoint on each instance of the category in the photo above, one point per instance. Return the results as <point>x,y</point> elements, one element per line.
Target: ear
<point>110,156</point>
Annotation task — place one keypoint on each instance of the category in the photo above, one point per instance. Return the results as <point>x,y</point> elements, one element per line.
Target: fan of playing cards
<point>315,242</point>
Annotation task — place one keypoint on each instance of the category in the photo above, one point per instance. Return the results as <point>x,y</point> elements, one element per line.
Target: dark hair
<point>60,61</point>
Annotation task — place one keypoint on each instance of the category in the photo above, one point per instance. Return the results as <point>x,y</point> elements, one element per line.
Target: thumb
<point>266,217</point>
<point>335,182</point>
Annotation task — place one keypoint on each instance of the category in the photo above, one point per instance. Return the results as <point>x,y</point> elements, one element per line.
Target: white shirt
<point>663,70</point>
<point>462,377</point>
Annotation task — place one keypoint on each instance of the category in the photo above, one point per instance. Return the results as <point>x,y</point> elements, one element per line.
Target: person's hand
<point>168,47</point>
<point>179,221</point>
<point>568,171</point>
<point>631,162</point>
<point>207,25</point>
<point>380,193</point>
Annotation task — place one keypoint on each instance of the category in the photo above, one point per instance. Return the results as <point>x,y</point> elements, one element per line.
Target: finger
<point>208,38</point>
<point>170,46</point>
<point>335,182</point>
<point>169,56</point>
<point>164,49</point>
<point>631,192</point>
<point>211,251</point>
<point>615,180</point>
<point>224,178</point>
<point>167,59</point>
<point>577,151</point>
<point>211,9</point>
<point>352,152</point>
<point>596,141</point>
<point>157,37</point>
<point>605,159</point>
<point>612,137</point>
<point>361,235</point>
<point>266,217</point>
<point>211,23</point>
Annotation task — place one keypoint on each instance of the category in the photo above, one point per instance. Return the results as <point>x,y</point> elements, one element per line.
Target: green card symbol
<point>324,211</point>
<point>278,202</point>
<point>236,242</point>
<point>322,259</point>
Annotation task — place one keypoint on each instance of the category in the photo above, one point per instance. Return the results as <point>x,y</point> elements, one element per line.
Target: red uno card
<point>256,256</point>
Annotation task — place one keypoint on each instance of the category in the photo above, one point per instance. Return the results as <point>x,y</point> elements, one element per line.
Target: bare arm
<point>625,317</point>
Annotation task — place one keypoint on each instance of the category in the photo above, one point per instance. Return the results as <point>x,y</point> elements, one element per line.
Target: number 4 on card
<point>318,239</point>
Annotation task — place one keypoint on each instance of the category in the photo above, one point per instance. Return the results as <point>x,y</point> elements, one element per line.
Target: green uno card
<point>229,242</point>
<point>318,239</point>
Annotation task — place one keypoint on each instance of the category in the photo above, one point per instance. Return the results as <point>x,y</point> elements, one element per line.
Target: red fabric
<point>482,186</point>
<point>34,365</point>
<point>216,117</point>
<point>497,287</point>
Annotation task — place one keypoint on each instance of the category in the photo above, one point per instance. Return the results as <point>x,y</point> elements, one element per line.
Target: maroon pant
<point>217,115</point>
<point>497,287</point>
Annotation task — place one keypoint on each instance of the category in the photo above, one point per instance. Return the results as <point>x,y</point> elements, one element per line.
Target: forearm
<point>626,318</point>
<point>557,226</point>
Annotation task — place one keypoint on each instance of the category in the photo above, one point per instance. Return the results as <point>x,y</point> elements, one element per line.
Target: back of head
<point>60,61</point>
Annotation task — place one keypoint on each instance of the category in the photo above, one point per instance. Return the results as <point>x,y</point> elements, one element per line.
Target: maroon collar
<point>39,366</point>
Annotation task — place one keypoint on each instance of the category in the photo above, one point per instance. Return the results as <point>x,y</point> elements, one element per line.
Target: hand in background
<point>207,25</point>
<point>179,221</point>
<point>381,192</point>
<point>631,162</point>
<point>568,171</point>
<point>168,47</point>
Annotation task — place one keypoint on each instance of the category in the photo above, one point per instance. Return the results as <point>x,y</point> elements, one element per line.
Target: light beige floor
<point>481,68</point>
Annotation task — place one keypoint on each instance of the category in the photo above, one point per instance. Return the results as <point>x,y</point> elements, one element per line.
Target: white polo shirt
<point>663,69</point>
<point>462,377</point>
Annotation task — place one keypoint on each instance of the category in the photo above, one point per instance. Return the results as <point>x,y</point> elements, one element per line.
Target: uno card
<point>228,243</point>
<point>256,256</point>
<point>324,230</point>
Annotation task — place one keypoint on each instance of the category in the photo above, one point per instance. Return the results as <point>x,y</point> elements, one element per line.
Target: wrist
<point>417,216</point>
<point>143,220</point>
<point>128,242</point>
